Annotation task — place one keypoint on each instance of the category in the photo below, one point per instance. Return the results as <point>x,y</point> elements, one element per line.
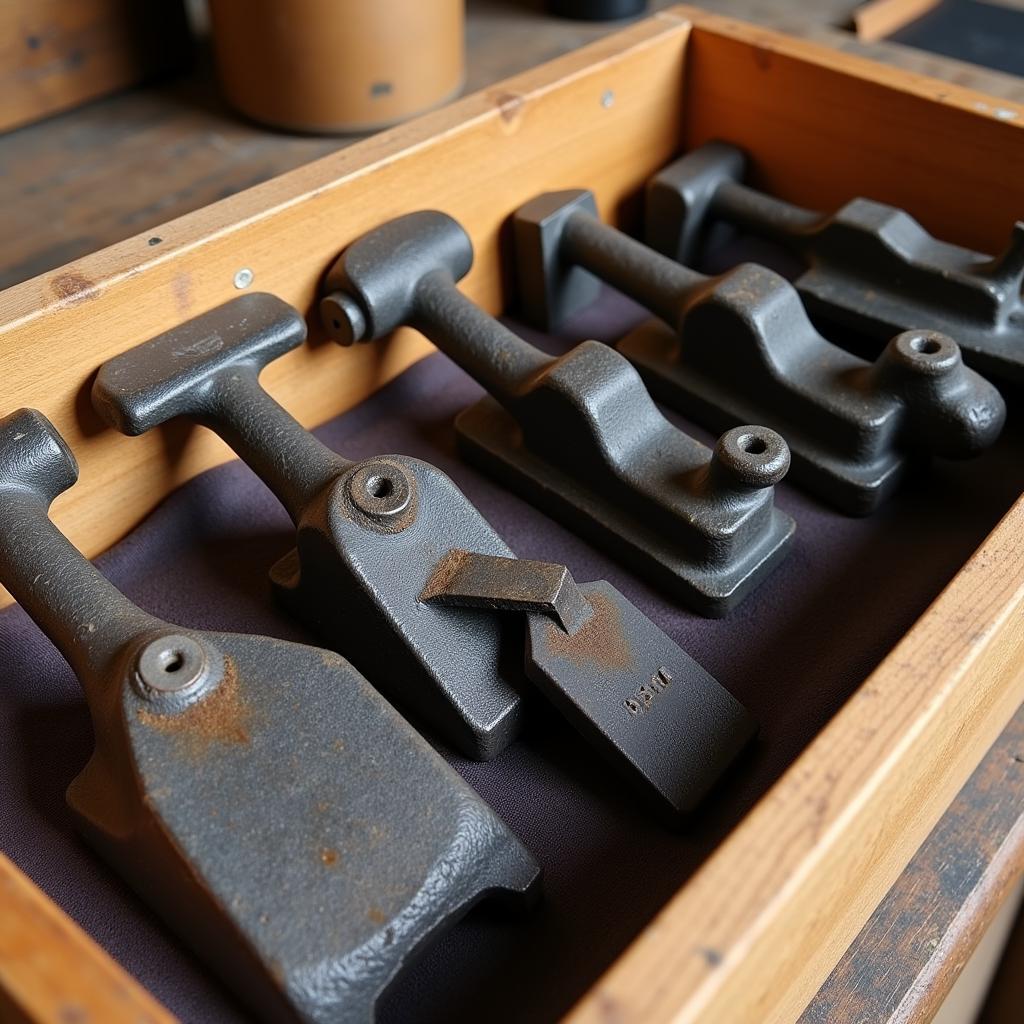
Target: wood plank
<point>952,157</point>
<point>905,960</point>
<point>761,925</point>
<point>55,54</point>
<point>614,107</point>
<point>51,972</point>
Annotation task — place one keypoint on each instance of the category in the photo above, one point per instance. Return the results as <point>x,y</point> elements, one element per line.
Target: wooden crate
<point>754,933</point>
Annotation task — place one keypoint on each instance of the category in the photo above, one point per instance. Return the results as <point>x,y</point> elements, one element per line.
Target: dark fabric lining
<point>792,653</point>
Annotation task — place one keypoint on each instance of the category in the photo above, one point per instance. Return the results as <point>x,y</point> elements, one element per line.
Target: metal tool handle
<point>404,272</point>
<point>207,369</point>
<point>88,619</point>
<point>684,198</point>
<point>563,251</point>
<point>653,280</point>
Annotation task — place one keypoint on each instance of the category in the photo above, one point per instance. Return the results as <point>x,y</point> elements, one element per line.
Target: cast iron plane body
<point>869,266</point>
<point>369,534</point>
<point>267,801</point>
<point>383,564</point>
<point>739,348</point>
<point>579,435</point>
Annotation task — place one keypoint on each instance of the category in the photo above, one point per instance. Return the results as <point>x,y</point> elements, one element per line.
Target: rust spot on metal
<point>329,856</point>
<point>600,640</point>
<point>72,288</point>
<point>222,717</point>
<point>376,915</point>
<point>447,569</point>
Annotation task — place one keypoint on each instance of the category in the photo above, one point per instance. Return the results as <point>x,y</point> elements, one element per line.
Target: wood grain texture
<point>952,157</point>
<point>762,924</point>
<point>476,159</point>
<point>51,972</point>
<point>55,54</point>
<point>1006,994</point>
<point>906,958</point>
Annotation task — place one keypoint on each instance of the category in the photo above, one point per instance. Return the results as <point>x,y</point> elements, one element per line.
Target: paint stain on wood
<point>73,288</point>
<point>181,288</point>
<point>510,106</point>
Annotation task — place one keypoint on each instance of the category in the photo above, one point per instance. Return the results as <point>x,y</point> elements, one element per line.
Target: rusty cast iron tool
<point>644,705</point>
<point>369,533</point>
<point>373,538</point>
<point>269,803</point>
<point>869,266</point>
<point>739,348</point>
<point>579,435</point>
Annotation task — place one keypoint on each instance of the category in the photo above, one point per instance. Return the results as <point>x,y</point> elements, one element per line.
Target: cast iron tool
<point>376,554</point>
<point>369,533</point>
<point>280,815</point>
<point>646,707</point>
<point>578,434</point>
<point>870,266</point>
<point>739,348</point>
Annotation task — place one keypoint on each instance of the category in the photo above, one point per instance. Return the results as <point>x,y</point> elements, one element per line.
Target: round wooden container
<point>338,65</point>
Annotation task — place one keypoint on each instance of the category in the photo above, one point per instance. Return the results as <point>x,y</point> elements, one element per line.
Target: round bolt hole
<point>380,489</point>
<point>754,445</point>
<point>176,668</point>
<point>379,486</point>
<point>173,661</point>
<point>926,346</point>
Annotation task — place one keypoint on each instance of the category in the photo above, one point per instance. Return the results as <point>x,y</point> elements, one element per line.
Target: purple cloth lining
<point>793,653</point>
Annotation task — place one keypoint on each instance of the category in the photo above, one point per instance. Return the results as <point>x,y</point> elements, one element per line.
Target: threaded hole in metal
<point>926,346</point>
<point>379,486</point>
<point>173,661</point>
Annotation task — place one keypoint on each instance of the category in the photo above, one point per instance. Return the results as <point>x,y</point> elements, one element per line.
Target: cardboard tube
<point>338,65</point>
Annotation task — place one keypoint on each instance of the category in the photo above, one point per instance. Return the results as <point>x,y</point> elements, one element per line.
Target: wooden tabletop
<point>88,178</point>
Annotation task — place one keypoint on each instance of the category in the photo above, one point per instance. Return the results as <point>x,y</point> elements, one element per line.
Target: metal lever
<point>364,855</point>
<point>369,534</point>
<point>870,266</point>
<point>578,434</point>
<point>644,705</point>
<point>740,348</point>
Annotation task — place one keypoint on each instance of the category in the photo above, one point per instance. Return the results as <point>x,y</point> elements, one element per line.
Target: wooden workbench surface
<point>91,177</point>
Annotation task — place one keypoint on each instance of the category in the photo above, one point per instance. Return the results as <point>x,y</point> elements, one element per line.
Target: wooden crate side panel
<point>824,127</point>
<point>603,117</point>
<point>50,970</point>
<point>752,936</point>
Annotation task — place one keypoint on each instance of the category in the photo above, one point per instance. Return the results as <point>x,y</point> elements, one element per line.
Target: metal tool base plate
<point>878,313</point>
<point>491,439</point>
<point>643,703</point>
<point>852,487</point>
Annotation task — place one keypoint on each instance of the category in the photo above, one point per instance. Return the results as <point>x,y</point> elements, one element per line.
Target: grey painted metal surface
<point>869,266</point>
<point>376,541</point>
<point>579,435</point>
<point>260,794</point>
<point>739,348</point>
